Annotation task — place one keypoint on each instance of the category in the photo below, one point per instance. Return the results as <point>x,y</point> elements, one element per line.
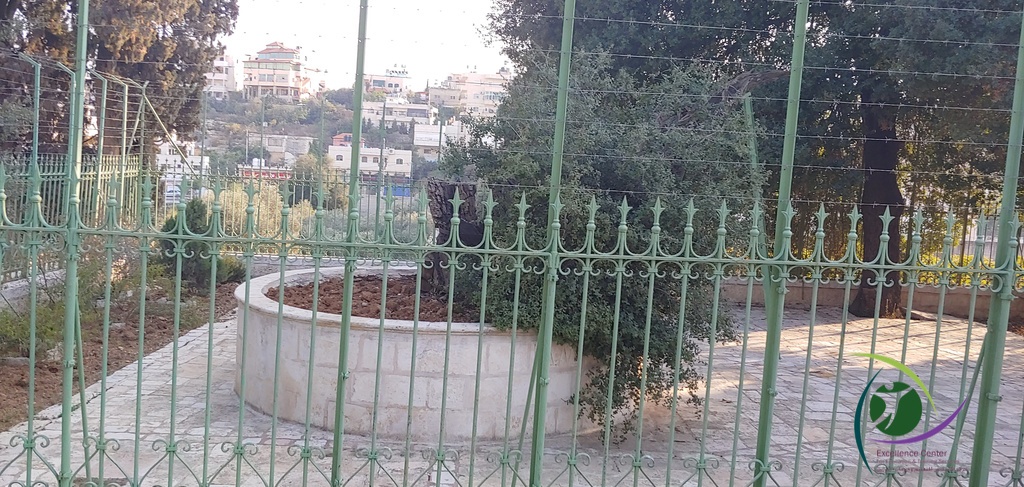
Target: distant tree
<point>222,163</point>
<point>309,174</point>
<point>342,97</point>
<point>170,45</point>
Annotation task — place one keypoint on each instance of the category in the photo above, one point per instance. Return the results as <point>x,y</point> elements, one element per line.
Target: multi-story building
<point>345,139</point>
<point>475,94</point>
<point>277,71</point>
<point>398,112</point>
<point>393,81</point>
<point>177,160</point>
<point>427,139</point>
<point>395,162</point>
<point>283,149</point>
<point>221,79</point>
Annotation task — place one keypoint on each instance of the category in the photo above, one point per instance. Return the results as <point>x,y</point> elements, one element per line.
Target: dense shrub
<point>625,143</point>
<point>196,261</point>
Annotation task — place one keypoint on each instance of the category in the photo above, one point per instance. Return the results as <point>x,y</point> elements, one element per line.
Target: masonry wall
<point>958,301</point>
<point>388,385</point>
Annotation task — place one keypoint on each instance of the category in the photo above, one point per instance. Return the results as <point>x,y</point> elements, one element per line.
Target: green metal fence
<point>241,341</point>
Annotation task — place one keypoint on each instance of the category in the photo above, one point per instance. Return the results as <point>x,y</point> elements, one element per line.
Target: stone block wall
<point>382,361</point>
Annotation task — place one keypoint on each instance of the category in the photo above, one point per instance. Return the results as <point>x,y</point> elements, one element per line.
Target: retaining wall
<point>433,390</point>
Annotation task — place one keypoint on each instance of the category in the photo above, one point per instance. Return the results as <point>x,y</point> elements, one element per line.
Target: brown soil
<point>123,350</point>
<point>1017,327</point>
<point>366,294</point>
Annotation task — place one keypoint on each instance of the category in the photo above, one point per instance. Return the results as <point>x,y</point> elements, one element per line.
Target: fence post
<point>774,289</point>
<point>551,273</point>
<point>350,257</point>
<point>96,210</point>
<point>1002,293</point>
<point>71,272</point>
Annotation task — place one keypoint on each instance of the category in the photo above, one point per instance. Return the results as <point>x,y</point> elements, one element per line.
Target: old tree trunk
<point>880,156</point>
<point>439,200</point>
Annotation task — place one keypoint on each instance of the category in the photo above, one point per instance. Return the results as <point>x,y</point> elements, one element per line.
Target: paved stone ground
<point>273,455</point>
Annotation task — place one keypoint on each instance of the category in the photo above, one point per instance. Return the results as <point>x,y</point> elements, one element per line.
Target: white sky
<point>432,38</point>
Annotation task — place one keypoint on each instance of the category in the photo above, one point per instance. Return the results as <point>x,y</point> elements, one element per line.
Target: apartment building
<point>277,71</point>
<point>396,162</point>
<point>474,94</point>
<point>398,112</point>
<point>393,81</point>
<point>221,79</point>
<point>283,149</point>
<point>174,167</point>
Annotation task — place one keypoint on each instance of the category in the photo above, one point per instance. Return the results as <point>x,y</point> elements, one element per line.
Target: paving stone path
<point>276,454</point>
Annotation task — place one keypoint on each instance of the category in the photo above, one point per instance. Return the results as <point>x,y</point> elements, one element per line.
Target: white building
<point>176,164</point>
<point>426,138</point>
<point>396,162</point>
<point>283,149</point>
<point>221,79</point>
<point>393,81</point>
<point>475,94</point>
<point>277,71</point>
<point>398,112</point>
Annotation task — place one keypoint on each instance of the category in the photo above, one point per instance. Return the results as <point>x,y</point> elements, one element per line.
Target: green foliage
<point>972,55</point>
<point>168,45</point>
<point>223,163</point>
<point>15,338</point>
<point>268,204</point>
<point>125,279</point>
<point>630,157</point>
<point>282,114</point>
<point>195,261</point>
<point>342,97</point>
<point>422,168</point>
<point>309,175</point>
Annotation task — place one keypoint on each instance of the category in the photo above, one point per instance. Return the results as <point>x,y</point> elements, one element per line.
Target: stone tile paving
<point>274,455</point>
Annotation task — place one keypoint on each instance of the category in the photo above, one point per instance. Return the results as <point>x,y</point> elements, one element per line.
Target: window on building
<point>376,160</point>
<point>364,158</point>
<point>399,161</point>
<point>339,157</point>
<point>378,83</point>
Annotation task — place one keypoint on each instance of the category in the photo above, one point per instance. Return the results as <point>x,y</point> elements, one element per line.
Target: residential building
<point>277,71</point>
<point>283,149</point>
<point>396,162</point>
<point>344,139</point>
<point>474,94</point>
<point>271,174</point>
<point>221,79</point>
<point>177,160</point>
<point>426,138</point>
<point>398,112</point>
<point>393,81</point>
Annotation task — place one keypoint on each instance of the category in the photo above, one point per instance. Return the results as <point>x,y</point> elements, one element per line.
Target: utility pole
<point>440,130</point>
<point>380,163</point>
<point>202,146</point>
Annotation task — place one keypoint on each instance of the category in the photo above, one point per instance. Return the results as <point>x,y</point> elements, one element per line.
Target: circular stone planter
<point>258,318</point>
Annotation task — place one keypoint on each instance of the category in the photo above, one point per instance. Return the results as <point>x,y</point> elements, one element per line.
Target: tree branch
<point>734,88</point>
